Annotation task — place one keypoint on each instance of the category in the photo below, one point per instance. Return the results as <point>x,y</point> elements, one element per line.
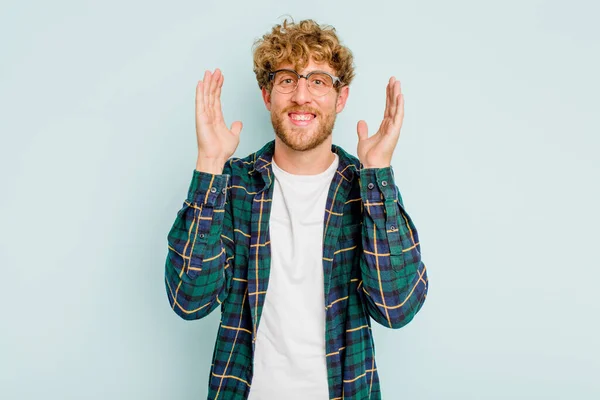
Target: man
<point>300,243</point>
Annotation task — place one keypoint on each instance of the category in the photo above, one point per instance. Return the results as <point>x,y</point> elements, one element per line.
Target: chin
<point>301,141</point>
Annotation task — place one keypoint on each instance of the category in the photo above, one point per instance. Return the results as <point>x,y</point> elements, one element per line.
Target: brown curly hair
<point>297,43</point>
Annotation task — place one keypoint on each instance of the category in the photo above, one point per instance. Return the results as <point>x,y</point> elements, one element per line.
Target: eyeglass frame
<point>336,80</point>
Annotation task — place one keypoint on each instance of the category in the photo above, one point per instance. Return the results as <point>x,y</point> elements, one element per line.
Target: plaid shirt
<point>219,255</point>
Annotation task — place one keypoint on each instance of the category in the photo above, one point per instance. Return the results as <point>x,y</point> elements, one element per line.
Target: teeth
<point>299,117</point>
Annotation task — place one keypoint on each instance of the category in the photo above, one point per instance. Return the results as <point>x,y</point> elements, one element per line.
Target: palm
<point>376,151</point>
<point>215,140</point>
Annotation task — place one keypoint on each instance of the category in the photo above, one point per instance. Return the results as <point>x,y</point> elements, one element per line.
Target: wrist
<point>365,166</point>
<point>210,165</point>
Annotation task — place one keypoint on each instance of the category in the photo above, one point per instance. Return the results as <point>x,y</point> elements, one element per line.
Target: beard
<point>301,138</point>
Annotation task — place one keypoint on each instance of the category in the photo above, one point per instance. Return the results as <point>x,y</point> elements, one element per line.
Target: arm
<point>197,271</point>
<point>394,282</point>
<point>394,279</point>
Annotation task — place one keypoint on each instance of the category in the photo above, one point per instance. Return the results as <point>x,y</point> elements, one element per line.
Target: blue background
<point>497,164</point>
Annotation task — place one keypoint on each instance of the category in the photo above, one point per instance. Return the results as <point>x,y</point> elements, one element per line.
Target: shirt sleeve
<point>394,278</point>
<point>200,247</point>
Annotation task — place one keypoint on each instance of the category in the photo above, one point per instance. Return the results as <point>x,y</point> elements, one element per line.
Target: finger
<point>236,127</point>
<point>200,98</point>
<point>394,102</point>
<point>363,130</point>
<point>206,90</point>
<point>397,94</point>
<point>399,117</point>
<point>217,107</point>
<point>213,88</point>
<point>387,99</point>
<point>396,123</point>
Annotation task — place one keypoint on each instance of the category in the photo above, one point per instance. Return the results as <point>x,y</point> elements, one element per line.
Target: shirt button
<point>213,189</point>
<point>383,183</point>
<point>223,190</point>
<point>370,186</point>
<point>202,235</point>
<point>392,228</point>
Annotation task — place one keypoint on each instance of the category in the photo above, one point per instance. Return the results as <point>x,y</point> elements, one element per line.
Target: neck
<point>310,162</point>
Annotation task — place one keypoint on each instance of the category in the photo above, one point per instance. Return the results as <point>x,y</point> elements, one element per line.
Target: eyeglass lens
<point>287,81</point>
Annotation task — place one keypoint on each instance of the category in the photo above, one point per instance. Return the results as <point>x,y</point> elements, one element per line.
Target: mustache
<point>301,110</point>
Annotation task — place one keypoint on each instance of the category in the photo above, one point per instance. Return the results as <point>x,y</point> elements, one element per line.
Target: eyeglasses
<point>319,83</point>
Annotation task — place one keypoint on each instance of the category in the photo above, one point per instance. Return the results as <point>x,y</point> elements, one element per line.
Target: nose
<point>301,95</point>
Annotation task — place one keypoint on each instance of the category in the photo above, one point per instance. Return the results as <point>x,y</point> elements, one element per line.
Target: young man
<point>300,243</point>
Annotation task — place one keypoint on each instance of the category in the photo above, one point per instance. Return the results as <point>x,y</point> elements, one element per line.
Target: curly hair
<point>298,43</point>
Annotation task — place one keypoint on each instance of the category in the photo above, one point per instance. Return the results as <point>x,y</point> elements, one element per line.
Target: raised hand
<point>216,143</point>
<point>376,151</point>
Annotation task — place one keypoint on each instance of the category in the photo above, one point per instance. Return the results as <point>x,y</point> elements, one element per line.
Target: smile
<point>301,119</point>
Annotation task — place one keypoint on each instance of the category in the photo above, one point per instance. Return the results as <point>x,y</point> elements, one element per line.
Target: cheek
<point>277,104</point>
<point>333,106</point>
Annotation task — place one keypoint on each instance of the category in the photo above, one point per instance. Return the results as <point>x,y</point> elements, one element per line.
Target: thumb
<point>236,127</point>
<point>362,130</point>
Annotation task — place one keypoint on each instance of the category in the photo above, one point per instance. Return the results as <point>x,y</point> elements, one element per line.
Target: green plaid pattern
<point>219,255</point>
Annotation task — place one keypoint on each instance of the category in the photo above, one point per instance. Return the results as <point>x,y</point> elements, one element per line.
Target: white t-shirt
<point>289,357</point>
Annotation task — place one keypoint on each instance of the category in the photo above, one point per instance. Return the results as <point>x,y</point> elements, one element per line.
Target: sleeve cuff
<point>208,189</point>
<point>377,184</point>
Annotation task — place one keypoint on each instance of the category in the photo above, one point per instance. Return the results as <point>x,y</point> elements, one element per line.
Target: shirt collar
<point>348,167</point>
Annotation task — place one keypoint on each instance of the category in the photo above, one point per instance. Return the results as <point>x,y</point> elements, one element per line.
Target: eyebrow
<point>308,72</point>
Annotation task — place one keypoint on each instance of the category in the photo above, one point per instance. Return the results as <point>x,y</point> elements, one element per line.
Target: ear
<point>341,99</point>
<point>266,98</point>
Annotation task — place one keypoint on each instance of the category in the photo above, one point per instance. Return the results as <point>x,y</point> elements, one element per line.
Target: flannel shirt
<point>219,255</point>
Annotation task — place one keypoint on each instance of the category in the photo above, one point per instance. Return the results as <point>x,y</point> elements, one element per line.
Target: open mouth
<point>301,118</point>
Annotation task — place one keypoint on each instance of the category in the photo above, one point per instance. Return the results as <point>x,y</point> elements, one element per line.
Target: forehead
<point>311,66</point>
